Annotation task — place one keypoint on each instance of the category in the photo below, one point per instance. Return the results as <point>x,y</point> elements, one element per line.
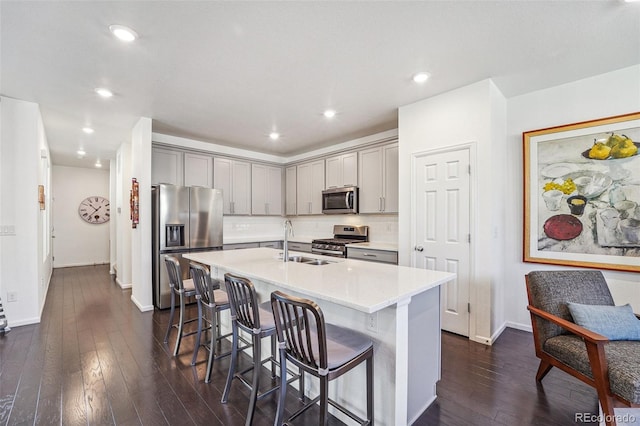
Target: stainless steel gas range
<point>342,235</point>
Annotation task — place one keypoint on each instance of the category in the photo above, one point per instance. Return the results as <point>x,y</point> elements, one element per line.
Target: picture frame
<point>582,194</point>
<point>134,203</point>
<point>41,198</point>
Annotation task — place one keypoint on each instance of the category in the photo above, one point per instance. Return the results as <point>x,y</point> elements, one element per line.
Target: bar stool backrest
<point>203,284</point>
<point>300,325</point>
<point>243,302</point>
<point>175,273</point>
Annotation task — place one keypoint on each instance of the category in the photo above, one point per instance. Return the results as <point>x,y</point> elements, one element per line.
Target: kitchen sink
<point>308,260</point>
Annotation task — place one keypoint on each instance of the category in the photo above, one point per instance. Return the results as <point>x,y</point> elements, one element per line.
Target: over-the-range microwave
<point>340,200</point>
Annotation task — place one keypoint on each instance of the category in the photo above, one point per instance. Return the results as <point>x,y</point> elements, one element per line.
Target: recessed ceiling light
<point>105,93</point>
<point>98,164</point>
<point>329,113</point>
<point>274,136</point>
<point>81,152</point>
<point>123,33</point>
<point>87,130</point>
<point>421,77</point>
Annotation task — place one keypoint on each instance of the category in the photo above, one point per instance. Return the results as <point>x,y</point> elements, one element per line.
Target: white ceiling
<point>231,72</point>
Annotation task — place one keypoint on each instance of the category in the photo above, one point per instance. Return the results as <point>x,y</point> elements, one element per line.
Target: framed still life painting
<point>582,194</point>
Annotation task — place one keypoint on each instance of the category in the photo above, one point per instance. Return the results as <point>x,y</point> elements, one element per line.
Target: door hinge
<point>469,169</point>
<point>469,238</point>
<point>469,307</point>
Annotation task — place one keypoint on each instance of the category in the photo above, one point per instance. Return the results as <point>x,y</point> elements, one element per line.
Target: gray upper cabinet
<point>198,170</point>
<point>234,179</point>
<point>167,166</point>
<point>378,177</point>
<point>290,190</point>
<point>341,170</point>
<point>309,186</point>
<point>266,190</point>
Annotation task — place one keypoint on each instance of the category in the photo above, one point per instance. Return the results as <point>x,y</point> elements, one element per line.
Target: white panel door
<point>333,167</point>
<point>442,224</point>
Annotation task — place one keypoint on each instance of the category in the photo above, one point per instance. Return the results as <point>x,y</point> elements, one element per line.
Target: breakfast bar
<point>398,307</point>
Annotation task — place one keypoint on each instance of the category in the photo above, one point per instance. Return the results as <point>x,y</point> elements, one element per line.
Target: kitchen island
<point>396,306</point>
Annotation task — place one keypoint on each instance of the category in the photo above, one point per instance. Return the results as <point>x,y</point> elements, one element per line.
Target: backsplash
<point>382,228</point>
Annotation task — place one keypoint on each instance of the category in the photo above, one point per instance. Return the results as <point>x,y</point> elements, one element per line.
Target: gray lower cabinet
<point>303,247</point>
<point>382,256</point>
<point>240,246</point>
<point>272,244</point>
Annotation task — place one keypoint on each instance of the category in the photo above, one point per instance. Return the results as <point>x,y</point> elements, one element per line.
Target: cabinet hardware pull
<point>369,255</point>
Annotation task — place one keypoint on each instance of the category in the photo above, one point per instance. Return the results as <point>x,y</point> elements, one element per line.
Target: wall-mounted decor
<point>134,203</point>
<point>41,196</point>
<point>94,210</point>
<point>582,194</point>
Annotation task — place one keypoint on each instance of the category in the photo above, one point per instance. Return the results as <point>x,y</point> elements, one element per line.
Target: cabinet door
<point>303,189</point>
<point>266,190</point>
<point>166,166</point>
<point>198,170</point>
<point>333,168</point>
<point>274,191</point>
<point>241,187</point>
<point>370,171</point>
<point>258,189</point>
<point>350,169</point>
<point>390,196</point>
<point>341,170</point>
<point>222,181</point>
<point>290,192</point>
<point>317,185</point>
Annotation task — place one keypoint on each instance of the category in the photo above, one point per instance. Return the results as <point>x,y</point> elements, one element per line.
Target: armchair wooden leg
<point>600,373</point>
<point>543,369</point>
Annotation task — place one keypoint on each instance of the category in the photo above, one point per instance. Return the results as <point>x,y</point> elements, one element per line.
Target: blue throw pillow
<point>613,322</point>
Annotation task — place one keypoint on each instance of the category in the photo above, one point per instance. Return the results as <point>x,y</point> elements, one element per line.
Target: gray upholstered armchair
<point>611,367</point>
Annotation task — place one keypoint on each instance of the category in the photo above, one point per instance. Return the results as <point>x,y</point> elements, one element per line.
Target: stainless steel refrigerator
<point>185,219</point>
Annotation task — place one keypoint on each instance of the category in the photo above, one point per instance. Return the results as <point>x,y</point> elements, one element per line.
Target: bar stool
<point>184,289</point>
<point>211,301</point>
<point>257,320</point>
<point>323,350</point>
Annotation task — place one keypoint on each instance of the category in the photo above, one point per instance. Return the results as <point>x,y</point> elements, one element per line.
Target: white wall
<point>475,115</point>
<point>141,293</point>
<point>25,265</point>
<point>121,215</point>
<point>605,95</point>
<point>76,241</point>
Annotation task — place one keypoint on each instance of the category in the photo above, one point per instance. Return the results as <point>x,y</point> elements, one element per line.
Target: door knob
<point>418,248</point>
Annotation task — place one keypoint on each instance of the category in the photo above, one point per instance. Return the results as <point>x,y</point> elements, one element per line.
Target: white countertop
<point>375,246</point>
<point>364,286</point>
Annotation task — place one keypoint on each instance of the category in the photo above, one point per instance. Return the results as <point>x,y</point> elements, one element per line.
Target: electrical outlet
<point>12,296</point>
<point>372,322</point>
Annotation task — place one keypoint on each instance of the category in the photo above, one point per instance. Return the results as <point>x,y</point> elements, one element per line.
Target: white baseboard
<point>143,308</point>
<point>71,265</point>
<point>122,285</point>
<point>26,321</point>
<point>422,410</point>
<point>518,326</point>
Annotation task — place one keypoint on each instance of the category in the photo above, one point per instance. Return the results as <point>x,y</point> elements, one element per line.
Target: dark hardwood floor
<point>95,359</point>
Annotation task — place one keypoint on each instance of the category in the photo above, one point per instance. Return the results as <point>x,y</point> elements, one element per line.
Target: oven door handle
<point>328,252</point>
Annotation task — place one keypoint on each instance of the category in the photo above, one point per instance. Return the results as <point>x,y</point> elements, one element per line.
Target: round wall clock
<point>94,209</point>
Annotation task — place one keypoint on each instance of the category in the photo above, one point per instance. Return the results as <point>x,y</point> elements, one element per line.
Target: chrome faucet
<point>288,231</point>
